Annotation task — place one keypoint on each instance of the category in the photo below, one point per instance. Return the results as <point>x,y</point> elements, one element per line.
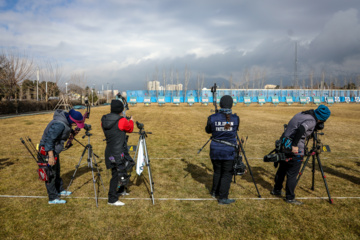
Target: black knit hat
<point>117,106</point>
<point>226,102</point>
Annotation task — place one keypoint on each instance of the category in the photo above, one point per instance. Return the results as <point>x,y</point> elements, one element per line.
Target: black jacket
<point>115,139</point>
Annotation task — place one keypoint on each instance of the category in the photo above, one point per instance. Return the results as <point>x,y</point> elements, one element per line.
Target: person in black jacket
<point>223,127</point>
<point>52,143</point>
<point>299,128</point>
<point>115,127</point>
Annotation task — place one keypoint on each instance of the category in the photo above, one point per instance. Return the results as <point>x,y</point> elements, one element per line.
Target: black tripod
<point>91,160</point>
<point>141,149</point>
<point>315,151</point>
<point>237,149</point>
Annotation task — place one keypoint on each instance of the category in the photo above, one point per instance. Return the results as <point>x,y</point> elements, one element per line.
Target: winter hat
<point>322,113</point>
<point>77,118</point>
<point>117,106</point>
<point>226,102</point>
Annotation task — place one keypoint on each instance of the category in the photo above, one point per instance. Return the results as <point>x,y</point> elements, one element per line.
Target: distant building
<point>270,86</point>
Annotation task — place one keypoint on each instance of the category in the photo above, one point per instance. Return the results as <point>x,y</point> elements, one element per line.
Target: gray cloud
<point>124,42</point>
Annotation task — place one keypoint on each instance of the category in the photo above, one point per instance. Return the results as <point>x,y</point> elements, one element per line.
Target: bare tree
<point>77,84</point>
<point>186,79</point>
<point>15,68</point>
<point>51,72</point>
<point>164,80</point>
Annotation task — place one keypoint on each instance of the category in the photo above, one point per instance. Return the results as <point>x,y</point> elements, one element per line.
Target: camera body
<point>87,127</point>
<point>275,157</point>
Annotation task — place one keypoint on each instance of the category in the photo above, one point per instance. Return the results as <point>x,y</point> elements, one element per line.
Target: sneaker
<point>117,203</point>
<point>276,192</point>
<point>214,195</point>
<point>226,201</point>
<point>294,201</point>
<point>57,201</point>
<point>65,193</point>
<point>124,193</point>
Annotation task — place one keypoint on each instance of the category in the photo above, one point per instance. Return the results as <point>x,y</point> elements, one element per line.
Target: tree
<point>51,73</point>
<point>15,68</point>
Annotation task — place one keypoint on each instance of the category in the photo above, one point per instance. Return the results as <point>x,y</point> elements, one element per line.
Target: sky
<point>124,43</point>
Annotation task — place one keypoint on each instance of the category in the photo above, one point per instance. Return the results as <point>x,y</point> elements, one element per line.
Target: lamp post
<point>93,90</point>
<point>37,85</point>
<point>107,93</point>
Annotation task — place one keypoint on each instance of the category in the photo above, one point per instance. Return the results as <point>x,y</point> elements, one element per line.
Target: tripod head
<point>87,128</point>
<point>318,147</point>
<point>142,132</point>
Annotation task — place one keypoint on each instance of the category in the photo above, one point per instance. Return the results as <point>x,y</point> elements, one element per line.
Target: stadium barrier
<point>244,96</point>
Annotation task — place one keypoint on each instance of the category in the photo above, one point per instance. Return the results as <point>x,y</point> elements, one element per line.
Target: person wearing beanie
<point>223,126</point>
<point>117,158</point>
<point>52,143</point>
<point>299,128</point>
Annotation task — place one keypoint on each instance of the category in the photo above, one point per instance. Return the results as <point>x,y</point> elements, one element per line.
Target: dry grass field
<point>183,208</point>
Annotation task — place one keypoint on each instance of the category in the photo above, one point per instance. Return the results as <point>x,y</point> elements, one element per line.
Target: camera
<point>87,127</point>
<point>319,126</point>
<point>139,125</point>
<point>276,157</point>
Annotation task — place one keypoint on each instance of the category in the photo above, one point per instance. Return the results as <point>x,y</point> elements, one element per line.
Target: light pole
<point>37,85</point>
<point>93,90</point>
<point>107,93</point>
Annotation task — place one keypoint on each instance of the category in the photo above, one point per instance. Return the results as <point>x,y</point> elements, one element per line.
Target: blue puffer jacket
<point>215,125</point>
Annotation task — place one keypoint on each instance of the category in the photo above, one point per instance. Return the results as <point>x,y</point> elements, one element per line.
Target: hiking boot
<point>294,201</point>
<point>57,201</point>
<point>117,203</point>
<point>226,201</point>
<point>277,192</point>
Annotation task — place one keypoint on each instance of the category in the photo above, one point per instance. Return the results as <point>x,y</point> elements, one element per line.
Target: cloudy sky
<point>125,42</point>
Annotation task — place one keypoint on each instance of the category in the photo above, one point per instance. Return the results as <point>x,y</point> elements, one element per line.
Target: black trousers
<point>222,177</point>
<point>112,195</point>
<point>55,184</point>
<point>291,170</point>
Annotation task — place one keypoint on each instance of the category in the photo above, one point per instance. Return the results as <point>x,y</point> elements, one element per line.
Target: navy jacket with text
<point>216,126</point>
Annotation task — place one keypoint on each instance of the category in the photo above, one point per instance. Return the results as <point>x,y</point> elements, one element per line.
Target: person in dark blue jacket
<point>52,143</point>
<point>223,127</point>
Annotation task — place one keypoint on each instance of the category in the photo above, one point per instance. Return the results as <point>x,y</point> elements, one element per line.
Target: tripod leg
<point>324,178</point>
<point>98,171</point>
<point>302,169</point>
<point>247,163</point>
<point>313,173</point>
<point>90,164</point>
<point>137,148</point>
<point>76,168</point>
<point>147,160</point>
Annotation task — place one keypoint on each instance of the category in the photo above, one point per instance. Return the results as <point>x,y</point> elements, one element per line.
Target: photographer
<point>117,158</point>
<point>223,126</point>
<point>52,143</point>
<point>300,127</point>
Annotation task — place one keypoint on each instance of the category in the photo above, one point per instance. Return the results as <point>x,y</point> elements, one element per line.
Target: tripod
<point>91,159</point>
<point>236,148</point>
<point>141,149</point>
<point>315,151</point>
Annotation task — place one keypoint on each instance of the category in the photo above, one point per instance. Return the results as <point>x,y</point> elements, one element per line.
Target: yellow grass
<point>180,173</point>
